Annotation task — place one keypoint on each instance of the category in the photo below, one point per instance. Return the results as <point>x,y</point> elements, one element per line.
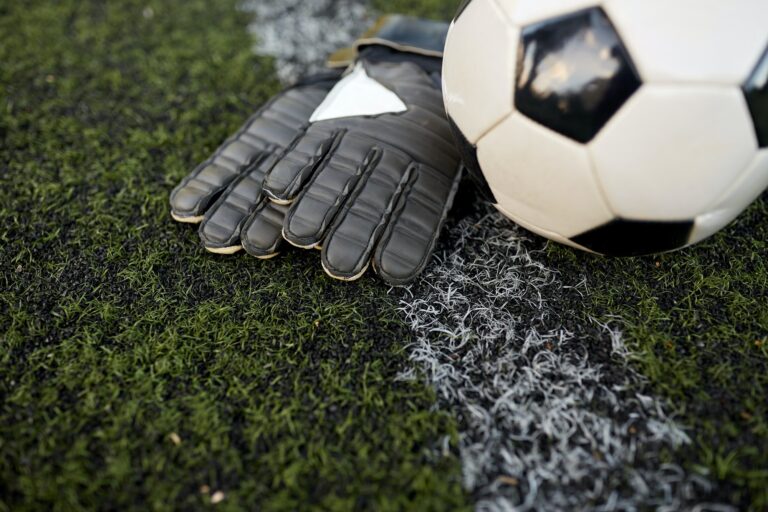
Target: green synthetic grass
<point>697,321</point>
<point>138,372</point>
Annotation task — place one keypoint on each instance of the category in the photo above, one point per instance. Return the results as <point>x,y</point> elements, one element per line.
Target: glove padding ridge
<point>222,192</point>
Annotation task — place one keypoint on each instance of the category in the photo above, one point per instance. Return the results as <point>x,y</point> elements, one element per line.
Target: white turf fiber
<point>552,416</point>
<point>301,34</point>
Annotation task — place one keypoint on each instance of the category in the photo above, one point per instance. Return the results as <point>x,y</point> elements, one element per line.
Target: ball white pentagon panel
<point>525,12</point>
<point>714,41</point>
<point>479,64</point>
<point>744,192</point>
<point>672,150</point>
<point>541,179</point>
<point>551,235</point>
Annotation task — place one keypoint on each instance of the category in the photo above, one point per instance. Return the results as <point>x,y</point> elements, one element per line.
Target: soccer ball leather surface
<point>624,127</point>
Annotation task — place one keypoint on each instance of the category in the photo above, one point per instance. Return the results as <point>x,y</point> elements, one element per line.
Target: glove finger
<point>298,164</point>
<point>262,234</point>
<point>191,199</point>
<point>314,210</point>
<point>221,226</point>
<point>351,239</point>
<point>274,126</point>
<point>410,237</point>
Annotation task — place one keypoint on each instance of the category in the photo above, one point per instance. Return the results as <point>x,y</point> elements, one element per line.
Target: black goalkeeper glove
<point>369,176</point>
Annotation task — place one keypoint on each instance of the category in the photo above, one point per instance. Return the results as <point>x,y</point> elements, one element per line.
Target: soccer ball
<point>624,127</point>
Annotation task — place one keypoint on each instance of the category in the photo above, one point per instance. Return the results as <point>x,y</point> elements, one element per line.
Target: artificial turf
<point>697,321</point>
<point>139,372</point>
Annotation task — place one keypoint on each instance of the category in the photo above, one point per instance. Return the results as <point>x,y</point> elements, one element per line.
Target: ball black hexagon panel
<point>756,91</point>
<point>636,238</point>
<point>574,73</point>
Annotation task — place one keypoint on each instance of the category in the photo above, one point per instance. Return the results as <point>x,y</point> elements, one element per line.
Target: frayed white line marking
<point>550,419</point>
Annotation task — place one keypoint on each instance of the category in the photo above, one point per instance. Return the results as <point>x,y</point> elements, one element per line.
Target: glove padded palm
<point>363,167</point>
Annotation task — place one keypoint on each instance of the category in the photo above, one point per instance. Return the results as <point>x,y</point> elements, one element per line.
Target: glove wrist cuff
<point>402,34</point>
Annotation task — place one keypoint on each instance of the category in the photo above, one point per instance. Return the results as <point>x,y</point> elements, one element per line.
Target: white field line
<point>552,417</point>
<point>300,34</point>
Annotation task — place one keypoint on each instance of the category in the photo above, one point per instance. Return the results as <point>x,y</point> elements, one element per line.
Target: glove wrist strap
<point>403,34</point>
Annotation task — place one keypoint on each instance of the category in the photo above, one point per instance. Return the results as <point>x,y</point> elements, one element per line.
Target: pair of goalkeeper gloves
<point>358,162</point>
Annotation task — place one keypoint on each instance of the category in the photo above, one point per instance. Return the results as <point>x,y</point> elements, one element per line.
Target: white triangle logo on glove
<point>358,95</point>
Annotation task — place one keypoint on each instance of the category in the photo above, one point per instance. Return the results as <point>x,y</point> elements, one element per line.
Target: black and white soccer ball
<point>623,127</point>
